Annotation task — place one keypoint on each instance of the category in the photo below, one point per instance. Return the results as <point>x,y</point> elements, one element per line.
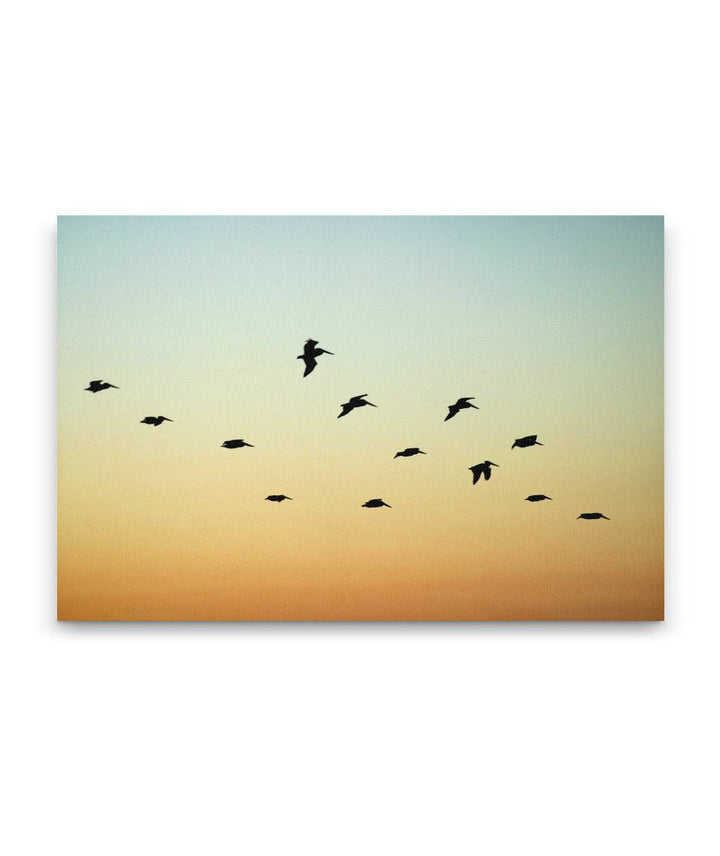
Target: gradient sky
<point>554,324</point>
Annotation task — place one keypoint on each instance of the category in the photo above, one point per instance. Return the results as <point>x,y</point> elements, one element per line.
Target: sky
<point>553,324</point>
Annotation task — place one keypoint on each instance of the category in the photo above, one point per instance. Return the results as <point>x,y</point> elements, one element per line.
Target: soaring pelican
<point>482,470</point>
<point>592,515</point>
<point>235,444</point>
<point>310,354</point>
<point>277,497</point>
<point>99,386</point>
<point>459,405</point>
<point>375,503</point>
<point>531,440</point>
<point>408,453</point>
<point>536,497</point>
<point>155,420</point>
<point>355,401</point>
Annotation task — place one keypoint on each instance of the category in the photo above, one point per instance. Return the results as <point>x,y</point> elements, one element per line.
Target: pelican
<point>355,401</point>
<point>459,405</point>
<point>99,386</point>
<point>408,453</point>
<point>309,355</point>
<point>592,515</point>
<point>235,444</point>
<point>536,497</point>
<point>482,470</point>
<point>531,440</point>
<point>155,420</point>
<point>375,503</point>
<point>277,497</point>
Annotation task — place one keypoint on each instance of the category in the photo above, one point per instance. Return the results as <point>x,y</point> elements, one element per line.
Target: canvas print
<point>360,418</point>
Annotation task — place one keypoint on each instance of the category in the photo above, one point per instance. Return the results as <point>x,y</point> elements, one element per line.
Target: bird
<point>155,420</point>
<point>536,497</point>
<point>459,405</point>
<point>235,444</point>
<point>277,497</point>
<point>482,470</point>
<point>375,503</point>
<point>408,453</point>
<point>99,386</point>
<point>355,401</point>
<point>309,355</point>
<point>592,515</point>
<point>531,440</point>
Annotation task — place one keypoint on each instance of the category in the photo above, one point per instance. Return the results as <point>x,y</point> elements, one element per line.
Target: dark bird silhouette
<point>536,497</point>
<point>235,444</point>
<point>355,401</point>
<point>531,440</point>
<point>310,354</point>
<point>375,503</point>
<point>155,420</point>
<point>99,386</point>
<point>408,453</point>
<point>592,515</point>
<point>459,405</point>
<point>482,470</point>
<point>277,497</point>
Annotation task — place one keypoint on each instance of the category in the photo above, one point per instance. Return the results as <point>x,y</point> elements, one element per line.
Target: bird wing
<point>309,347</point>
<point>487,472</point>
<point>453,410</point>
<point>346,408</point>
<point>476,474</point>
<point>310,363</point>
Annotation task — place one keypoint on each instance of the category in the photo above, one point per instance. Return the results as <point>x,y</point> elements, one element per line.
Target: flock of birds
<point>309,356</point>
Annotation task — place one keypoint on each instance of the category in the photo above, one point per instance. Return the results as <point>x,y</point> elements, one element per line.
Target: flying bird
<point>482,470</point>
<point>531,440</point>
<point>277,497</point>
<point>408,453</point>
<point>592,515</point>
<point>459,405</point>
<point>235,444</point>
<point>310,354</point>
<point>375,503</point>
<point>355,401</point>
<point>536,497</point>
<point>155,420</point>
<point>99,386</point>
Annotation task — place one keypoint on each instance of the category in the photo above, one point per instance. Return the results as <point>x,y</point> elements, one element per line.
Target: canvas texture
<point>360,418</point>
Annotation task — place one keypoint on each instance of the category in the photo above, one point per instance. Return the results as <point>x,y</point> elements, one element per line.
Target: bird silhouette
<point>482,470</point>
<point>536,497</point>
<point>277,497</point>
<point>155,420</point>
<point>310,354</point>
<point>592,515</point>
<point>459,405</point>
<point>375,503</point>
<point>408,453</point>
<point>355,401</point>
<point>523,442</point>
<point>99,386</point>
<point>235,444</point>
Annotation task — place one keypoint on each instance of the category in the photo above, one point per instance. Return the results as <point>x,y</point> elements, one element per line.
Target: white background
<point>350,739</point>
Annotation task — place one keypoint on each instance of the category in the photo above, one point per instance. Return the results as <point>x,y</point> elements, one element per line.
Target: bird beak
<point>494,465</point>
